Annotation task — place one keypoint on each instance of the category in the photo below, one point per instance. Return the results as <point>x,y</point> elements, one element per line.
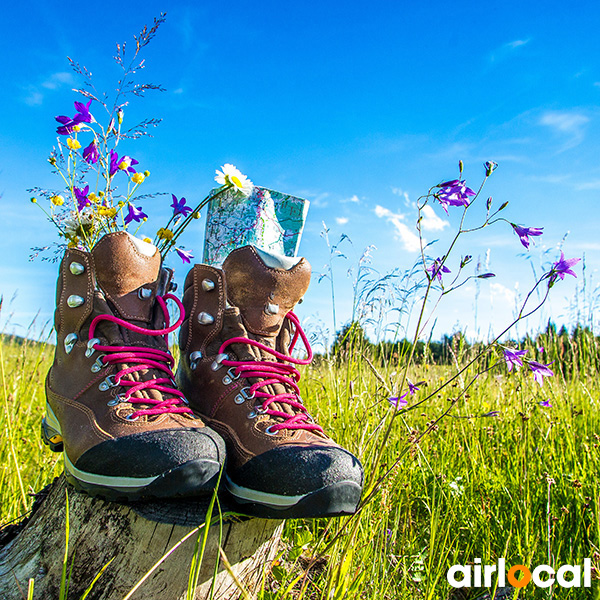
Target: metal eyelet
<point>117,400</point>
<point>130,418</point>
<point>205,319</point>
<point>74,301</point>
<point>243,396</point>
<point>108,383</point>
<point>246,395</point>
<point>194,358</point>
<point>216,365</point>
<point>231,376</point>
<point>90,347</point>
<point>208,285</point>
<point>70,341</point>
<point>98,365</point>
<point>256,412</point>
<point>269,430</point>
<point>144,293</point>
<point>76,268</point>
<point>271,308</point>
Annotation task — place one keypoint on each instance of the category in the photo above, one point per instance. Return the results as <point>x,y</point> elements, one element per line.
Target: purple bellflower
<point>540,371</point>
<point>83,112</point>
<point>125,163</point>
<point>185,255</point>
<point>545,403</point>
<point>179,207</point>
<point>399,403</point>
<point>81,196</point>
<point>413,387</point>
<point>436,269</point>
<point>513,358</point>
<point>83,116</point>
<point>135,214</point>
<point>91,154</point>
<point>525,232</point>
<point>454,193</point>
<point>563,267</point>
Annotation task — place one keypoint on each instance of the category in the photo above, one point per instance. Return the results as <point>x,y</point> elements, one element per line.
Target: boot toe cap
<point>153,453</point>
<point>297,470</point>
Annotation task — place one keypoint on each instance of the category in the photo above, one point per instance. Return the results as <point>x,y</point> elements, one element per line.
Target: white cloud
<point>341,220</point>
<point>507,50</point>
<point>430,221</point>
<point>34,97</point>
<point>409,239</point>
<point>400,192</point>
<point>354,199</point>
<point>570,123</point>
<point>501,292</point>
<point>589,185</point>
<point>35,93</point>
<point>317,199</point>
<point>517,43</point>
<point>59,79</point>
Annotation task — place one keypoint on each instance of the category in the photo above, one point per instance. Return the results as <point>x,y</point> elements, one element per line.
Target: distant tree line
<point>570,351</point>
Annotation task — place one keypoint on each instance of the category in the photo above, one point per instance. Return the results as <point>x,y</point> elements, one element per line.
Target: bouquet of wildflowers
<point>101,181</point>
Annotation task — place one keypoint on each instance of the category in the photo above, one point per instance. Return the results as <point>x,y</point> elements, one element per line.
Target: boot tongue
<point>127,271</point>
<point>265,287</point>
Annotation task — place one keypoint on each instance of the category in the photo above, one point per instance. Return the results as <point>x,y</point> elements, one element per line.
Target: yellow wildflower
<point>107,211</point>
<point>73,144</point>
<point>138,177</point>
<point>146,173</point>
<point>164,234</point>
<point>34,200</point>
<point>57,200</point>
<point>93,198</point>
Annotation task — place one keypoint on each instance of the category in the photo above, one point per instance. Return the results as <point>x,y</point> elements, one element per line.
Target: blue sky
<point>357,107</point>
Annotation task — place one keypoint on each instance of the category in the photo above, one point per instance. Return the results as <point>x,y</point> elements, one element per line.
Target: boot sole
<point>334,500</point>
<point>194,478</point>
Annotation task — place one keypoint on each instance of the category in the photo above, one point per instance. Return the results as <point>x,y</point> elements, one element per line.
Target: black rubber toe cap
<point>151,453</point>
<point>296,470</point>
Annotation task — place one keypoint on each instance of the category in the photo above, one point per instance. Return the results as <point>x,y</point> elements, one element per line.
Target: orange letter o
<point>519,583</point>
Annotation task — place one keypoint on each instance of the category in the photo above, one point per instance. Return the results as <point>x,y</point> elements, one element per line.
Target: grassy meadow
<point>519,483</point>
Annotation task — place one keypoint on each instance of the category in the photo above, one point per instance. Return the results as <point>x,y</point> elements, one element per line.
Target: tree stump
<point>135,536</point>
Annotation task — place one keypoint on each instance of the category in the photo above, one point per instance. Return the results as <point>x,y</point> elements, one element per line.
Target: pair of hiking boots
<point>132,429</point>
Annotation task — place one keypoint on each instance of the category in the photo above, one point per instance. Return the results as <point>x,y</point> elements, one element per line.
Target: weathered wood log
<point>135,536</point>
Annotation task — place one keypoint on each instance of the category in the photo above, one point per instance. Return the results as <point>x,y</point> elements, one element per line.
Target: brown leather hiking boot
<point>112,405</point>
<point>238,372</point>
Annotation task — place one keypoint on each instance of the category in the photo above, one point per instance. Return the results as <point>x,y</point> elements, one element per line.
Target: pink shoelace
<point>276,372</point>
<point>143,359</point>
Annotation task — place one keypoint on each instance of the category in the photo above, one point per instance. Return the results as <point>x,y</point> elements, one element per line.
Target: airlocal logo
<point>542,576</point>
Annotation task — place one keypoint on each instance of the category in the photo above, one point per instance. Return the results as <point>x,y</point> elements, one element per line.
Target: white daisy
<point>74,224</point>
<point>232,176</point>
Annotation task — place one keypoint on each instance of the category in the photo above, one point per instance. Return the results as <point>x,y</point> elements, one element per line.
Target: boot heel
<point>51,437</point>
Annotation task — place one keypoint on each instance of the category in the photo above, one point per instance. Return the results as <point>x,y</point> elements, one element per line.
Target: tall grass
<point>520,485</point>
